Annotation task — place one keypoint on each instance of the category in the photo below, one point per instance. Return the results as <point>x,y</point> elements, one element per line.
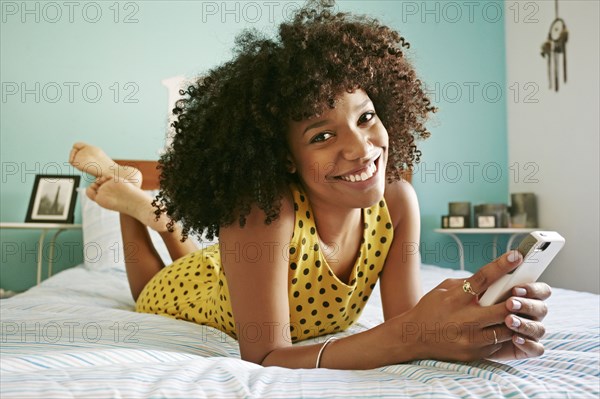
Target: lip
<point>362,168</point>
<point>363,183</point>
<point>358,171</point>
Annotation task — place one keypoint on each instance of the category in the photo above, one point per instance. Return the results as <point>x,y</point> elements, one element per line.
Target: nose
<point>356,144</point>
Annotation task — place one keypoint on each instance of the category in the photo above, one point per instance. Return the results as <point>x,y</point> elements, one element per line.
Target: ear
<point>290,165</point>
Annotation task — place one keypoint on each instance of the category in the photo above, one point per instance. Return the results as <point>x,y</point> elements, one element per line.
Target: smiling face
<point>340,156</point>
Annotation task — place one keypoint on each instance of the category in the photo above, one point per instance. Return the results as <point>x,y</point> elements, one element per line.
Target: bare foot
<point>126,197</point>
<point>92,160</point>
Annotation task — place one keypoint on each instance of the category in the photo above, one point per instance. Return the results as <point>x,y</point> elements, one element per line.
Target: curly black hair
<point>229,148</point>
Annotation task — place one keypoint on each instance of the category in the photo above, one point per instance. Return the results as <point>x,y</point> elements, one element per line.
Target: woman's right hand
<point>449,324</point>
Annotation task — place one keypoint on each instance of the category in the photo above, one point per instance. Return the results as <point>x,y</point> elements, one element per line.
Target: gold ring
<point>495,337</point>
<point>467,288</point>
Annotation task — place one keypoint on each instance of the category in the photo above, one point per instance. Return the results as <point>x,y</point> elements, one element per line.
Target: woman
<point>292,154</point>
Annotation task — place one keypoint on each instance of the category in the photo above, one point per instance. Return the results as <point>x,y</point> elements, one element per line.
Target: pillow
<point>102,241</point>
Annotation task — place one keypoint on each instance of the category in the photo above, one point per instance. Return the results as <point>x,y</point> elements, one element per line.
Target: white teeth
<point>370,171</point>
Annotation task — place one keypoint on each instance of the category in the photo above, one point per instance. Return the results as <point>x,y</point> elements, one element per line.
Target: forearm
<point>377,347</point>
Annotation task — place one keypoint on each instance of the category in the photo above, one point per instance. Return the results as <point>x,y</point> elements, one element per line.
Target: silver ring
<point>495,337</point>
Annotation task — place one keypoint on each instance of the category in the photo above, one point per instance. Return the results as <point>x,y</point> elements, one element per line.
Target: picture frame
<point>445,221</point>
<point>53,199</point>
<point>487,221</point>
<point>456,222</point>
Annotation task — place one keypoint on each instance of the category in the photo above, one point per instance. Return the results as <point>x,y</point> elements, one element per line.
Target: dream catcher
<point>554,48</point>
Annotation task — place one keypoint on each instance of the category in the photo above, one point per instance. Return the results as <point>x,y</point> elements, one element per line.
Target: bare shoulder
<point>256,228</point>
<point>402,202</point>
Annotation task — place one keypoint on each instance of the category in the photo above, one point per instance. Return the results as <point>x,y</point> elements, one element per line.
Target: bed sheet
<point>76,335</point>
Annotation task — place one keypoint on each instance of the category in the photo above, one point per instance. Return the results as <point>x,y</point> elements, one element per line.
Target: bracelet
<point>327,342</point>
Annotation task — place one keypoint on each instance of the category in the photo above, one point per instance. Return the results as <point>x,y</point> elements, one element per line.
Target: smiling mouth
<point>364,174</point>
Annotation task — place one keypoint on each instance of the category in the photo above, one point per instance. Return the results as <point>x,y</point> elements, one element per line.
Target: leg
<point>127,199</point>
<point>123,196</point>
<point>136,203</point>
<point>135,209</point>
<point>112,191</point>
<point>176,248</point>
<point>142,261</point>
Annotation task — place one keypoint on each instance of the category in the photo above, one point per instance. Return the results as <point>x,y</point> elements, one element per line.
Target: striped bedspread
<point>77,336</point>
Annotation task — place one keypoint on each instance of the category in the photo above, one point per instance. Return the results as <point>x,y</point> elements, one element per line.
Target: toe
<point>92,191</point>
<point>78,146</point>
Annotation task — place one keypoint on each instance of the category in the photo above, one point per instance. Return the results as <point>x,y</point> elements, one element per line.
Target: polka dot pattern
<point>195,288</point>
<point>319,302</point>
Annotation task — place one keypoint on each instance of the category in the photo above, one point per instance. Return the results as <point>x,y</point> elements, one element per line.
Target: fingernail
<point>516,305</point>
<point>519,340</point>
<point>514,256</point>
<point>520,292</point>
<point>516,323</point>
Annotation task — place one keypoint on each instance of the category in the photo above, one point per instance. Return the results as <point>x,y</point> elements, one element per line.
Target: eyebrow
<point>326,121</point>
<point>315,125</point>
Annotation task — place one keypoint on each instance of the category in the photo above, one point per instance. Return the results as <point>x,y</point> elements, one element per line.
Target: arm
<point>401,289</point>
<point>258,289</point>
<point>258,284</point>
<point>400,280</point>
<point>259,297</point>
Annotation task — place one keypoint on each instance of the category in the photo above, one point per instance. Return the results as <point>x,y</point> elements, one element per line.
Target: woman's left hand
<point>527,310</point>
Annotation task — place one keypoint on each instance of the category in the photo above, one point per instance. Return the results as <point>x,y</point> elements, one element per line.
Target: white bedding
<point>76,335</point>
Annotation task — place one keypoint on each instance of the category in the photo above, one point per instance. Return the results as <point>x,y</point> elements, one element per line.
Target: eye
<point>366,117</point>
<point>321,137</point>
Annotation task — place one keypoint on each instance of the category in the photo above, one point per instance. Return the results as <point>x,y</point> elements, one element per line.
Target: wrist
<point>406,343</point>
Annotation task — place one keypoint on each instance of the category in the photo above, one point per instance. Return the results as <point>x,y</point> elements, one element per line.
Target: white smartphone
<point>538,250</point>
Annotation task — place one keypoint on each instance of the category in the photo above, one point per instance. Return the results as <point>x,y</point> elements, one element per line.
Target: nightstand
<point>513,233</point>
<point>44,228</point>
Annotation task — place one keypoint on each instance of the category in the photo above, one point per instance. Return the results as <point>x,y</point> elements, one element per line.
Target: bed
<point>76,335</point>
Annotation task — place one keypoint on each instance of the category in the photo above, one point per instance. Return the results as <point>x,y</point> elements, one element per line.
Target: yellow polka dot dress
<point>195,288</point>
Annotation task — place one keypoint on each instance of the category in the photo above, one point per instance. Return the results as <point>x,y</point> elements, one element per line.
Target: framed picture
<point>486,221</point>
<point>445,221</point>
<point>456,222</point>
<point>53,199</point>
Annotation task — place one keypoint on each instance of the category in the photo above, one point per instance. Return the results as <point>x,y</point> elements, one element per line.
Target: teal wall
<point>127,48</point>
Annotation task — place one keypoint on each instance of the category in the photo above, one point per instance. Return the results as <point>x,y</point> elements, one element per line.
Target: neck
<point>335,225</point>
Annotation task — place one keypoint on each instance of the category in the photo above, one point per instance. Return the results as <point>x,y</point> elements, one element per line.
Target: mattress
<point>76,335</point>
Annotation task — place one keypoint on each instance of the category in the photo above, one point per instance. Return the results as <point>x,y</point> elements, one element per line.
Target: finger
<point>538,290</point>
<point>527,348</point>
<point>532,308</point>
<point>492,315</point>
<point>531,329</point>
<point>480,281</point>
<point>496,335</point>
